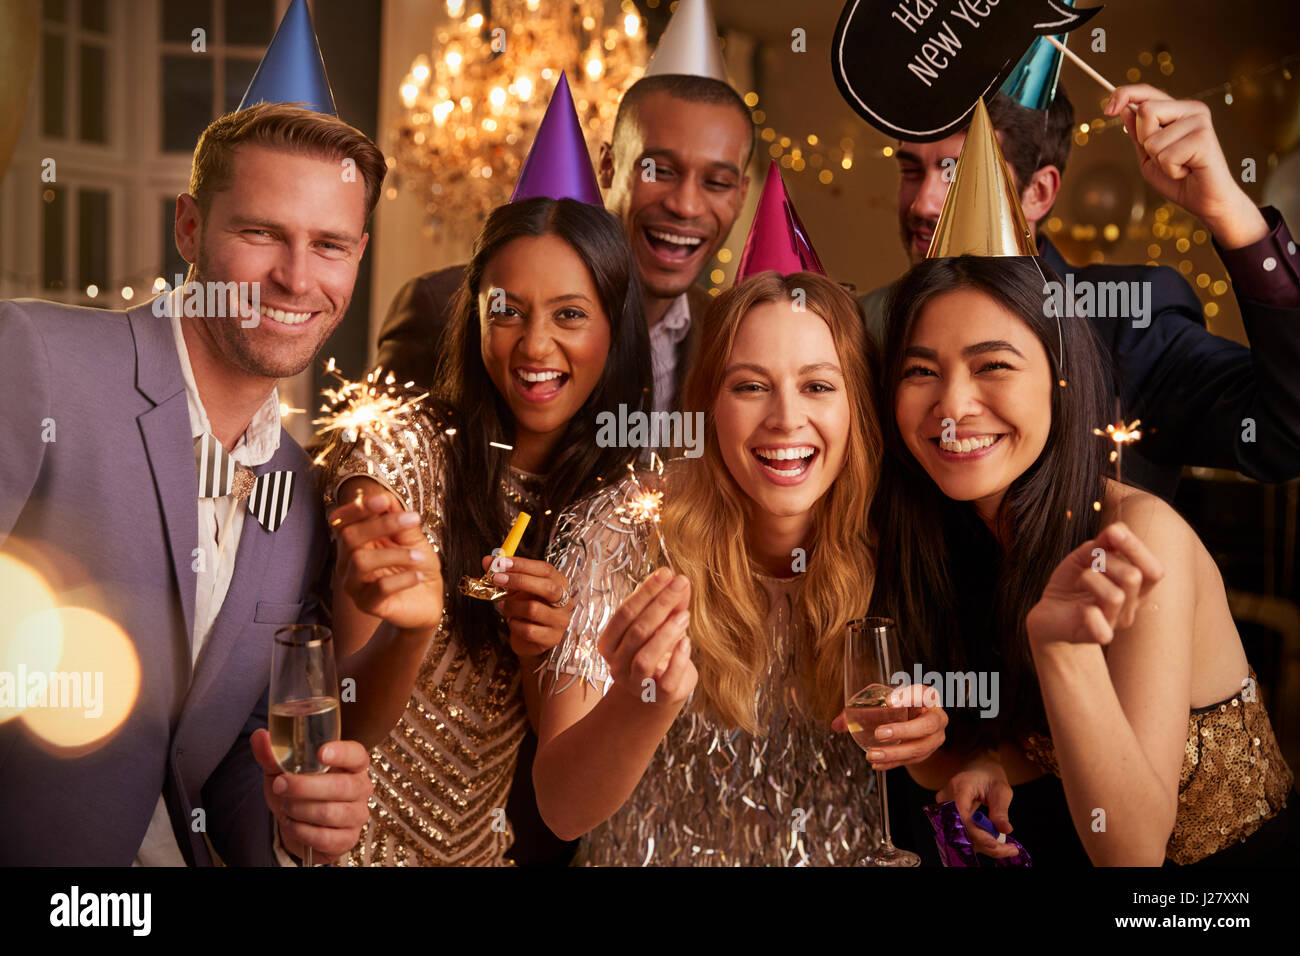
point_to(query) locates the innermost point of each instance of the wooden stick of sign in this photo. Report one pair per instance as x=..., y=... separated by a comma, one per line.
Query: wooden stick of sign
x=1110, y=87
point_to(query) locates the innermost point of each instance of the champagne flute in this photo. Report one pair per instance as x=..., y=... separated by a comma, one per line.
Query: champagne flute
x=870, y=659
x=304, y=698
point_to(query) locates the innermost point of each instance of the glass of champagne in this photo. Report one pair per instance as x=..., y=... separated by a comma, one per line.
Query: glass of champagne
x=870, y=659
x=304, y=698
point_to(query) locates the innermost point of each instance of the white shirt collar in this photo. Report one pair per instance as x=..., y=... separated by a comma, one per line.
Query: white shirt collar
x=262, y=437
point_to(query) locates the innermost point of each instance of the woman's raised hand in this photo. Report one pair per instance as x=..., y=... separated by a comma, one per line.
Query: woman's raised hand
x=645, y=642
x=1095, y=590
x=385, y=563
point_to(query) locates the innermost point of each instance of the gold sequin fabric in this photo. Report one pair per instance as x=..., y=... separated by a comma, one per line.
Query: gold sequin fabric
x=443, y=776
x=1233, y=776
x=798, y=794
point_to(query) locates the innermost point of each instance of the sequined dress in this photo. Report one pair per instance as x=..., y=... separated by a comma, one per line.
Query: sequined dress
x=1232, y=781
x=797, y=795
x=443, y=776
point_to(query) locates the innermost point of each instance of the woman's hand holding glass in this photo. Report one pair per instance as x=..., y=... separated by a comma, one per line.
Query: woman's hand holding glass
x=906, y=741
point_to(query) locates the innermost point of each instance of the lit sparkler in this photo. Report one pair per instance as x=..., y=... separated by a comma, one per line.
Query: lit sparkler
x=1121, y=434
x=370, y=405
x=644, y=507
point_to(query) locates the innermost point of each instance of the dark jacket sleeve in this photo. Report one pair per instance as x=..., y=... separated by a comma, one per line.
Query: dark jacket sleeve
x=412, y=330
x=1206, y=400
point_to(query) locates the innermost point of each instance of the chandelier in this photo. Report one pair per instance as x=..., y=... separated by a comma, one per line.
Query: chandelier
x=473, y=106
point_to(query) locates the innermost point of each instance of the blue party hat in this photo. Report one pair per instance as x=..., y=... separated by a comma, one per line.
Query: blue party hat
x=559, y=166
x=1032, y=83
x=292, y=70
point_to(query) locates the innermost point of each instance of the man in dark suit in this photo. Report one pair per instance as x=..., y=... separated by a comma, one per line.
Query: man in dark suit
x=1202, y=399
x=674, y=175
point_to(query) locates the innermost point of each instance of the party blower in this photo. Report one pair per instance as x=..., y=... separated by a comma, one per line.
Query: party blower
x=483, y=588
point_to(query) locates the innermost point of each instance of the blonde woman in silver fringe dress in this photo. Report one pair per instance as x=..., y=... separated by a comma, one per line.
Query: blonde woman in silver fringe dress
x=686, y=719
x=439, y=693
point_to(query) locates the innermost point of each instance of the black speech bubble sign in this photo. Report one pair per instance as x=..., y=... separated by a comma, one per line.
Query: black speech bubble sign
x=914, y=69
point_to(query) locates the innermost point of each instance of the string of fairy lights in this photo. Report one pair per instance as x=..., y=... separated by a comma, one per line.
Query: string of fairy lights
x=813, y=156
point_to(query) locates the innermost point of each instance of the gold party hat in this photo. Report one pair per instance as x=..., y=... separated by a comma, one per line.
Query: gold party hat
x=982, y=214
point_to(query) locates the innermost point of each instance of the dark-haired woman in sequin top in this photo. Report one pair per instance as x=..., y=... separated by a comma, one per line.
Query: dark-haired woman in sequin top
x=1010, y=552
x=549, y=332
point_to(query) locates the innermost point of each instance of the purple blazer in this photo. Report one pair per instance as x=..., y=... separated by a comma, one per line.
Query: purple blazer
x=112, y=503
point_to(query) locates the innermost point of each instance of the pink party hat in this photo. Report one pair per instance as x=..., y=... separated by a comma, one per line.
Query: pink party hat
x=558, y=166
x=777, y=239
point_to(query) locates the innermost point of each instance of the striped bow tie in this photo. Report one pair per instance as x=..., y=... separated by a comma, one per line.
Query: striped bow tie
x=269, y=495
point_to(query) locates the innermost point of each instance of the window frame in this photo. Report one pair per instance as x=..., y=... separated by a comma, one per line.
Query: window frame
x=131, y=165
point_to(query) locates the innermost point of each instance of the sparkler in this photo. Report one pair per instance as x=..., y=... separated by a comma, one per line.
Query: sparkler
x=1121, y=434
x=644, y=507
x=369, y=405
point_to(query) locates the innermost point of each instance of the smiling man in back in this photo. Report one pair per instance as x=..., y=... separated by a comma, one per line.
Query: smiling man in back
x=674, y=174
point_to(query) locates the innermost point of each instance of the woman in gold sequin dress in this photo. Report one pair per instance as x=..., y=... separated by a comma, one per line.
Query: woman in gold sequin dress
x=549, y=332
x=1122, y=674
x=717, y=749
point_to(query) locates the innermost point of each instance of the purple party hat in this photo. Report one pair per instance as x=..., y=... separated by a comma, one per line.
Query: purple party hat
x=292, y=70
x=777, y=238
x=558, y=166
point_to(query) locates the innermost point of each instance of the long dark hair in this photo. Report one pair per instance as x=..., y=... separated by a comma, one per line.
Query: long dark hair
x=476, y=472
x=958, y=598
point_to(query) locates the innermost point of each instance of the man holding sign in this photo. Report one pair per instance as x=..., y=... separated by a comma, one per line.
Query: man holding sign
x=1211, y=401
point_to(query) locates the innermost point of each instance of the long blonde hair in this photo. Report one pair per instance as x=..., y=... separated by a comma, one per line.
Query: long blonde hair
x=705, y=512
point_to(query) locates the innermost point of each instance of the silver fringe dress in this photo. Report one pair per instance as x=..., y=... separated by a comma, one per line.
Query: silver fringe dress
x=799, y=794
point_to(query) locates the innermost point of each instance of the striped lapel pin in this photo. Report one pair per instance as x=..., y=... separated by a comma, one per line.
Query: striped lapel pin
x=269, y=495
x=217, y=469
